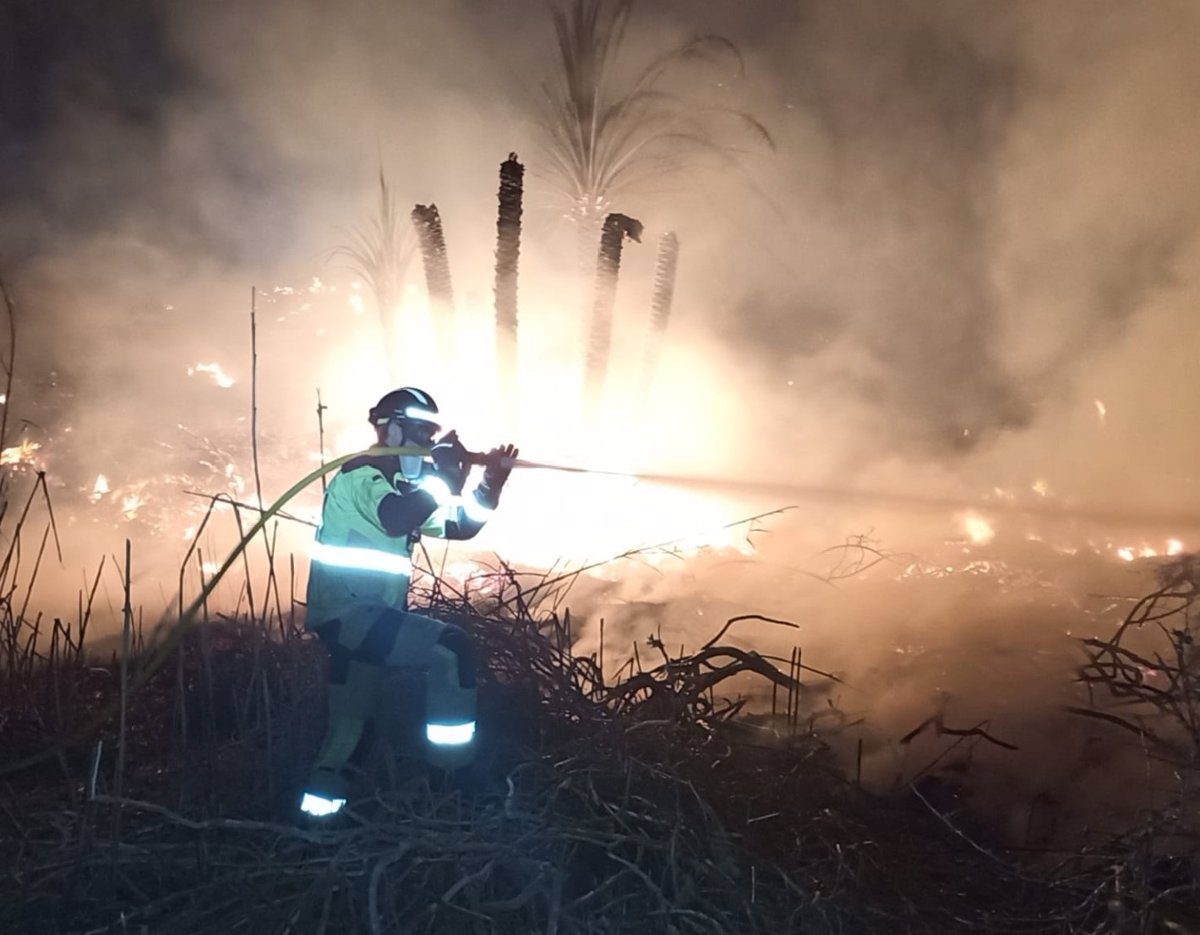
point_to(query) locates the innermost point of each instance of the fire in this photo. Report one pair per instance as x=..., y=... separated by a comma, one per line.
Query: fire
x=131, y=504
x=1101, y=410
x=214, y=370
x=100, y=488
x=1174, y=547
x=978, y=529
x=19, y=454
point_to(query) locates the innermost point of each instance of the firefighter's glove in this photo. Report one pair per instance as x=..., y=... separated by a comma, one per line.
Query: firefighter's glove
x=450, y=461
x=499, y=466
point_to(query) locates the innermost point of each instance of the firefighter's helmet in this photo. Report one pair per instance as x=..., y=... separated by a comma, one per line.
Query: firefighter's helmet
x=406, y=405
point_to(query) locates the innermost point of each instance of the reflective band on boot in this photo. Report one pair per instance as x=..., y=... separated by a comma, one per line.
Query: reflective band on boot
x=325, y=793
x=318, y=806
x=450, y=735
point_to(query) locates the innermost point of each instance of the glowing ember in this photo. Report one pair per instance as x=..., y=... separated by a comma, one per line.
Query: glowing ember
x=1174, y=547
x=130, y=506
x=100, y=488
x=978, y=528
x=219, y=376
x=19, y=454
x=1040, y=487
x=1101, y=409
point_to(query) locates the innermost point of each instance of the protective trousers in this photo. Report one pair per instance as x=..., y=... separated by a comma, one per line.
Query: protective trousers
x=397, y=639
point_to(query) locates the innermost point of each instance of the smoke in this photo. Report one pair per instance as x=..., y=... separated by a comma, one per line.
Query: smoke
x=969, y=263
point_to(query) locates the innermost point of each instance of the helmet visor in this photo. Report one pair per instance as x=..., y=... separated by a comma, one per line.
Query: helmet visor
x=419, y=431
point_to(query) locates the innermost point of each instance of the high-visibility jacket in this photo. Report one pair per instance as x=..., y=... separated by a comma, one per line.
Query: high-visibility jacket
x=371, y=519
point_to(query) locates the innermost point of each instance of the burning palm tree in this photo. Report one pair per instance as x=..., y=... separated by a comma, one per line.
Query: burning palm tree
x=608, y=269
x=428, y=223
x=380, y=253
x=600, y=139
x=660, y=304
x=508, y=251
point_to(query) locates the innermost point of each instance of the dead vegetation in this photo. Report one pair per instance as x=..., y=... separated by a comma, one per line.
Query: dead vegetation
x=612, y=798
x=150, y=785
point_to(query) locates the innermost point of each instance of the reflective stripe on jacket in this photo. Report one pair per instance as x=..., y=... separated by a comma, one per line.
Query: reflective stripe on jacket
x=358, y=569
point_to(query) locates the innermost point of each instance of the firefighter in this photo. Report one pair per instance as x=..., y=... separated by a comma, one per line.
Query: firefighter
x=376, y=509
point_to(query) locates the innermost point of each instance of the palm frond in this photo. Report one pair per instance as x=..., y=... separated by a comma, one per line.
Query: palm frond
x=379, y=253
x=594, y=136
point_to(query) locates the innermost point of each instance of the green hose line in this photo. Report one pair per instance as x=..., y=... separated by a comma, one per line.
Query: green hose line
x=162, y=651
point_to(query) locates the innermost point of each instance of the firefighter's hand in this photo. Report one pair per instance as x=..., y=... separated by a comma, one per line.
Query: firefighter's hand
x=450, y=461
x=499, y=466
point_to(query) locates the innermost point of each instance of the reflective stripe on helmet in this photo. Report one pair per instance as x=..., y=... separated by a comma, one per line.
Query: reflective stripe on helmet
x=350, y=556
x=450, y=735
x=423, y=415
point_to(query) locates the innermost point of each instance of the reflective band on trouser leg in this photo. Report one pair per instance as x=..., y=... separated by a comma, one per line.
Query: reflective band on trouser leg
x=449, y=713
x=362, y=559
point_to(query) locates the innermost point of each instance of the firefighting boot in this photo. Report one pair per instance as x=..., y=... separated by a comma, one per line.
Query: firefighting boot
x=350, y=706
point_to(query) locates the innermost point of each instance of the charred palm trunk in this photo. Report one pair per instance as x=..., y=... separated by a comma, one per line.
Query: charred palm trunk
x=660, y=304
x=508, y=253
x=428, y=223
x=608, y=268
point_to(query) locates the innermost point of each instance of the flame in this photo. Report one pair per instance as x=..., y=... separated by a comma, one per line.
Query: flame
x=978, y=529
x=1125, y=554
x=1101, y=410
x=1040, y=487
x=19, y=454
x=1174, y=547
x=219, y=376
x=131, y=504
x=100, y=488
